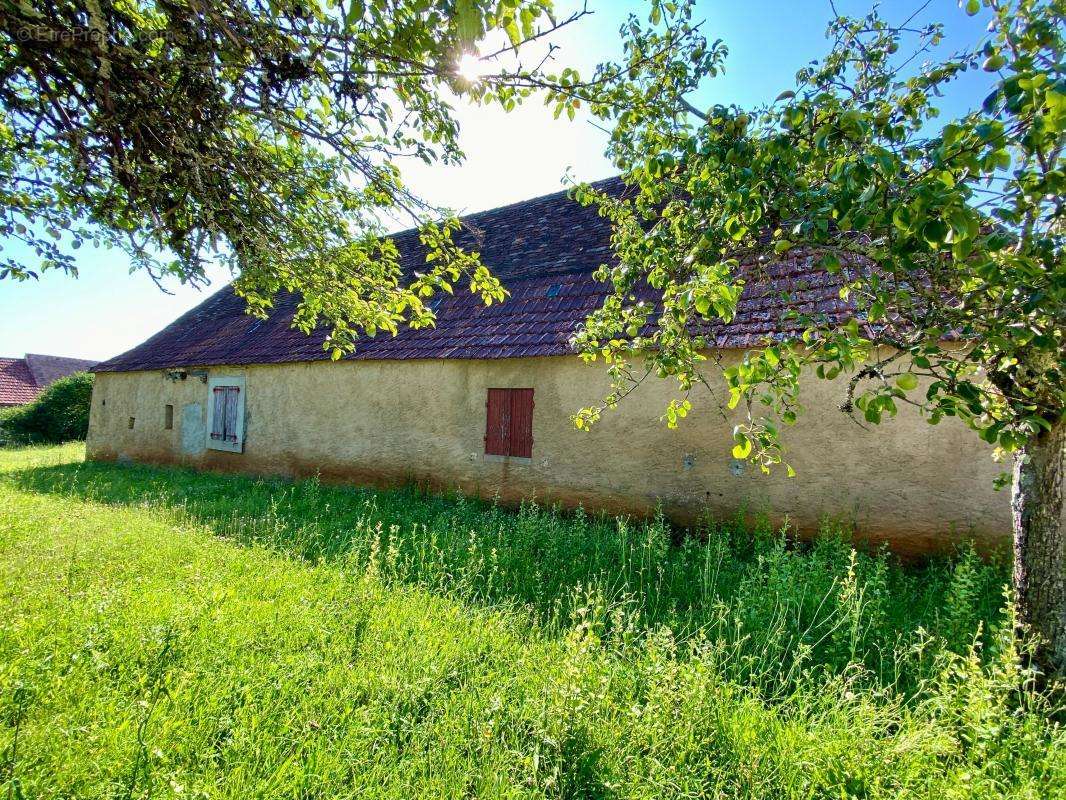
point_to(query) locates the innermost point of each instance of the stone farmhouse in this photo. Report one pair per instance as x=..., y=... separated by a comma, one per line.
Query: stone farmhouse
x=482, y=402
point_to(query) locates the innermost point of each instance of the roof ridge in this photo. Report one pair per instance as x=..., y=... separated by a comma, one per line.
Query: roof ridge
x=517, y=203
x=66, y=358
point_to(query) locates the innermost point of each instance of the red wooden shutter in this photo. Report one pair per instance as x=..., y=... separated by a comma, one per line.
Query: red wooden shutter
x=498, y=423
x=522, y=423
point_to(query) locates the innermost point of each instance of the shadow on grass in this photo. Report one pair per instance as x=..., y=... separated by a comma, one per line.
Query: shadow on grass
x=780, y=610
x=215, y=500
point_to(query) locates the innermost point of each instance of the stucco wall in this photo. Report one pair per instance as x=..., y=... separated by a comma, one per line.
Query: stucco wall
x=918, y=486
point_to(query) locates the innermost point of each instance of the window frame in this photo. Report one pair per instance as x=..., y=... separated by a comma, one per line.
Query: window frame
x=220, y=382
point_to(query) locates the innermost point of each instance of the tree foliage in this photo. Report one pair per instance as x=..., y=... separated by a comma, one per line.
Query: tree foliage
x=265, y=134
x=59, y=414
x=946, y=238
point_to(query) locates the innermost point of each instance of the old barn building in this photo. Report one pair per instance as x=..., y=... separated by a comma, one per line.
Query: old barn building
x=482, y=402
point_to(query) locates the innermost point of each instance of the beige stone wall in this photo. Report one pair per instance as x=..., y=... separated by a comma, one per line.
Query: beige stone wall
x=917, y=486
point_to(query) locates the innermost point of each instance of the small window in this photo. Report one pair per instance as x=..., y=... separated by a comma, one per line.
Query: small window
x=130, y=426
x=168, y=418
x=509, y=423
x=225, y=405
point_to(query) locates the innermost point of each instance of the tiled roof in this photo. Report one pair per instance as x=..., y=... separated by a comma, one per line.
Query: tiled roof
x=22, y=379
x=543, y=250
x=46, y=370
x=16, y=382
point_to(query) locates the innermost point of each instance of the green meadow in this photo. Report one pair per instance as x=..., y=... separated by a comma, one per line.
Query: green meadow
x=170, y=634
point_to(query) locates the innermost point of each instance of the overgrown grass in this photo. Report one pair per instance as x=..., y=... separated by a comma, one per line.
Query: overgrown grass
x=167, y=633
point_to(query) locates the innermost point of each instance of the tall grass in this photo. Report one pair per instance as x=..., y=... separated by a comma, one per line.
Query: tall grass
x=397, y=643
x=784, y=612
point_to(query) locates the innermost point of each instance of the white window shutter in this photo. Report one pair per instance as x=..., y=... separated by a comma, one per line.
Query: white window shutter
x=233, y=396
x=226, y=400
x=218, y=413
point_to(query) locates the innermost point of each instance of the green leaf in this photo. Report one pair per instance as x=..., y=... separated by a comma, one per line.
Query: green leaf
x=742, y=450
x=994, y=63
x=901, y=218
x=935, y=231
x=355, y=12
x=907, y=381
x=514, y=35
x=467, y=22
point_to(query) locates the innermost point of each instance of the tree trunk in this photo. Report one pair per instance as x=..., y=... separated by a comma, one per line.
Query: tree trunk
x=1040, y=544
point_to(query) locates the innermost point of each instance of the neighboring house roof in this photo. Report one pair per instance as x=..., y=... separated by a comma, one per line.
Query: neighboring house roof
x=16, y=382
x=543, y=250
x=46, y=370
x=22, y=379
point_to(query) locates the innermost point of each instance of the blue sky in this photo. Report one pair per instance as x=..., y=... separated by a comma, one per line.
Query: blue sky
x=510, y=157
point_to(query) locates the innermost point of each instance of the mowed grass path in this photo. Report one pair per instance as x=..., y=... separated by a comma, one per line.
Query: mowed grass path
x=167, y=634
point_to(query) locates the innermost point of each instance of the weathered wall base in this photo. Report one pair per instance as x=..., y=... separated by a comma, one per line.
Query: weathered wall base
x=919, y=488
